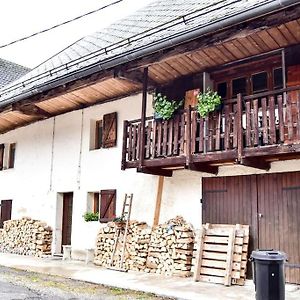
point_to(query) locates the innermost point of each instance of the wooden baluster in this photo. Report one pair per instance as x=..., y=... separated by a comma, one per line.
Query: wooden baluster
x=170, y=142
x=188, y=136
x=130, y=143
x=255, y=122
x=280, y=118
x=240, y=126
x=272, y=120
x=165, y=138
x=159, y=137
x=289, y=120
x=298, y=115
x=182, y=133
x=210, y=122
x=148, y=143
x=218, y=130
x=235, y=124
x=176, y=133
x=264, y=121
x=134, y=144
x=154, y=148
x=201, y=135
x=227, y=128
x=248, y=124
x=124, y=146
x=193, y=131
x=138, y=142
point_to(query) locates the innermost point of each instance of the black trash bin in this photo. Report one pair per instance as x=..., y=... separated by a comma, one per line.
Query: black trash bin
x=268, y=274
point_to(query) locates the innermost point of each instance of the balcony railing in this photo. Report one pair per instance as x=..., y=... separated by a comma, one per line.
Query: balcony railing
x=244, y=127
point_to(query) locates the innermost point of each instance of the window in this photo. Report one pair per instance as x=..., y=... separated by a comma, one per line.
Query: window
x=11, y=156
x=96, y=202
x=107, y=205
x=104, y=132
x=259, y=82
x=7, y=156
x=222, y=89
x=239, y=86
x=278, y=78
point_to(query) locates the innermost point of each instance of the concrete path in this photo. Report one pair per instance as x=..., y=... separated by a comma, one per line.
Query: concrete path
x=178, y=288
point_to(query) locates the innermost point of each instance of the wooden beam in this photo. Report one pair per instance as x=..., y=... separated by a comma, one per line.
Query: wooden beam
x=134, y=76
x=156, y=171
x=257, y=163
x=143, y=117
x=158, y=200
x=203, y=167
x=31, y=110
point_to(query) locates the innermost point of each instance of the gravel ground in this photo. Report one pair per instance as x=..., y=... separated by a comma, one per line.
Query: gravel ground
x=22, y=285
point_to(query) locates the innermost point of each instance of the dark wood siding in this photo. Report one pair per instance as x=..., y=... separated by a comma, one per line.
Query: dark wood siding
x=269, y=203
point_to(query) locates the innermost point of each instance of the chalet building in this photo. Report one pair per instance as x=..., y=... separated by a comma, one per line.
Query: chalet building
x=78, y=131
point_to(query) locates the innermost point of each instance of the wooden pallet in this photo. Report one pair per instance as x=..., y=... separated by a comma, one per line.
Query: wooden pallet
x=222, y=254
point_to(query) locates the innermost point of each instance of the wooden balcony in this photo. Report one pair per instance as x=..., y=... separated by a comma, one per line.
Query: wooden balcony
x=252, y=130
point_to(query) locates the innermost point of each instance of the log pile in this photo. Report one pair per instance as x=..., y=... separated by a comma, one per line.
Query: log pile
x=171, y=248
x=165, y=249
x=26, y=237
x=136, y=248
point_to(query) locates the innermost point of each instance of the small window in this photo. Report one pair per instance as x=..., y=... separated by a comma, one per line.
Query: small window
x=260, y=82
x=96, y=202
x=222, y=89
x=98, y=134
x=11, y=156
x=239, y=86
x=103, y=132
x=278, y=78
x=1, y=156
x=107, y=205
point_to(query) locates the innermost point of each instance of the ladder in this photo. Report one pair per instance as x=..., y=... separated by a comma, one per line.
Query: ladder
x=126, y=211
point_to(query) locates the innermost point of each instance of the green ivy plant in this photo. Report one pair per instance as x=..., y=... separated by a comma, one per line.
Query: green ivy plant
x=90, y=216
x=165, y=108
x=208, y=102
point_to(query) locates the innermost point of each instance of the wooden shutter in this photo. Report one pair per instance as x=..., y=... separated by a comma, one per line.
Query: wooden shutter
x=96, y=203
x=12, y=153
x=109, y=130
x=5, y=211
x=1, y=156
x=108, y=205
x=99, y=134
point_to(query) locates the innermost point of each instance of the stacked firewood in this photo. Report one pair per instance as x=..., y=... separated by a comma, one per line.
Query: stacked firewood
x=171, y=248
x=165, y=249
x=136, y=247
x=26, y=237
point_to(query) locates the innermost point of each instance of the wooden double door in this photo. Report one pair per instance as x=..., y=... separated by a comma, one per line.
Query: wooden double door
x=269, y=203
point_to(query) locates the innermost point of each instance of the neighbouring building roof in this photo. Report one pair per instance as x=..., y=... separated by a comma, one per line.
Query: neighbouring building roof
x=158, y=24
x=10, y=71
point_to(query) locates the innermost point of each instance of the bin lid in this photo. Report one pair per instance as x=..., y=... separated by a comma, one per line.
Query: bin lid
x=273, y=255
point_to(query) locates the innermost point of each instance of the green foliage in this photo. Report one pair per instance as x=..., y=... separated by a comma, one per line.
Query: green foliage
x=119, y=219
x=165, y=108
x=90, y=216
x=207, y=102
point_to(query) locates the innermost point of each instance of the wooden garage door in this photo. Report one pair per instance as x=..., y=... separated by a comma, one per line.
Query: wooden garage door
x=270, y=204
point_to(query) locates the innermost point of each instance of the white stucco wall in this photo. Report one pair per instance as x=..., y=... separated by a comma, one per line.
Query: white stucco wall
x=54, y=157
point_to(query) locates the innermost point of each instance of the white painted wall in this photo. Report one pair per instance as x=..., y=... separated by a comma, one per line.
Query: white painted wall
x=53, y=157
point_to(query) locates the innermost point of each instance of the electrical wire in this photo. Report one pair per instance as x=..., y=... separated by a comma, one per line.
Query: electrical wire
x=134, y=38
x=59, y=25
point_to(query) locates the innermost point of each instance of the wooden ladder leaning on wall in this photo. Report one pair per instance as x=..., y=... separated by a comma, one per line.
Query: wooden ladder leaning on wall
x=126, y=212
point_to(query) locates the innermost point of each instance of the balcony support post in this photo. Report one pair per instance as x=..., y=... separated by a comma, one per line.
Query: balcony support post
x=143, y=118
